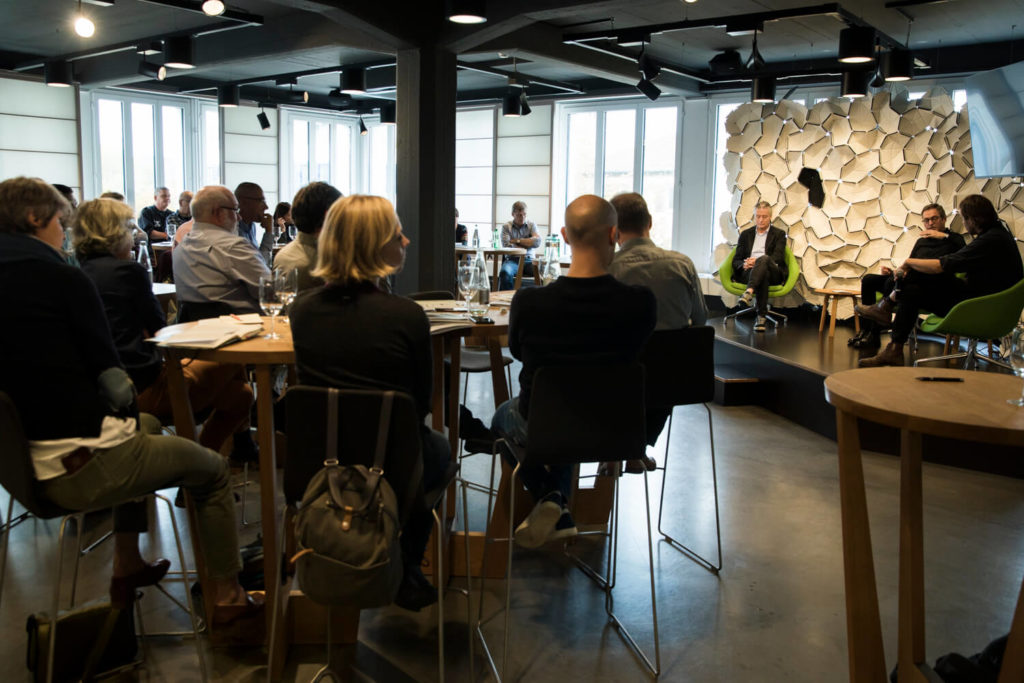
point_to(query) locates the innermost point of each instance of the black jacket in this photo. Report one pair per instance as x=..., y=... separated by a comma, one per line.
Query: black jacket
x=774, y=248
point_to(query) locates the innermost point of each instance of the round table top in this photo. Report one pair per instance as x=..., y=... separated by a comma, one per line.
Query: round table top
x=836, y=292
x=513, y=251
x=974, y=409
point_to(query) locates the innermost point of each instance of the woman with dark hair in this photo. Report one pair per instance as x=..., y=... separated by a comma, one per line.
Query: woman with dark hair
x=90, y=448
x=283, y=221
x=350, y=333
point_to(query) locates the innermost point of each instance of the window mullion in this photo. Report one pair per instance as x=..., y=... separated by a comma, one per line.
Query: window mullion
x=599, y=154
x=639, y=122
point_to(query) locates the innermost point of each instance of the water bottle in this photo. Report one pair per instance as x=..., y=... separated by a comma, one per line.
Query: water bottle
x=495, y=237
x=551, y=269
x=481, y=296
x=476, y=238
x=143, y=259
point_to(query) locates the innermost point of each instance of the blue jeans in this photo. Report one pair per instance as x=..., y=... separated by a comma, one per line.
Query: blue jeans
x=507, y=275
x=508, y=423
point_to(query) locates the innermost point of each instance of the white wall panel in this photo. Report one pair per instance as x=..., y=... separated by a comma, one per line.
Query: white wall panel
x=474, y=152
x=478, y=123
x=29, y=98
x=27, y=133
x=523, y=151
x=537, y=123
x=533, y=180
x=265, y=175
x=474, y=210
x=473, y=181
x=243, y=120
x=249, y=149
x=51, y=167
x=538, y=208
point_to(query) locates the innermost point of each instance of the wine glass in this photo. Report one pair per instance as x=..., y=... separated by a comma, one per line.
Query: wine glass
x=293, y=232
x=1016, y=359
x=550, y=271
x=270, y=300
x=287, y=285
x=170, y=229
x=277, y=233
x=467, y=280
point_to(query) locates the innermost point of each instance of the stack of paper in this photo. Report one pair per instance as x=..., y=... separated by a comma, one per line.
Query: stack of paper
x=210, y=333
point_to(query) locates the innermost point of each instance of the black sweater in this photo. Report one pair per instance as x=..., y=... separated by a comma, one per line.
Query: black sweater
x=991, y=261
x=578, y=321
x=362, y=338
x=132, y=311
x=55, y=341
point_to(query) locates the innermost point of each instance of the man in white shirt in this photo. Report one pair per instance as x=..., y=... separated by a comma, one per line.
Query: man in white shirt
x=215, y=264
x=760, y=261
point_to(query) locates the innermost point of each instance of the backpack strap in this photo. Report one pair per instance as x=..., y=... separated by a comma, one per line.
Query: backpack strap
x=331, y=452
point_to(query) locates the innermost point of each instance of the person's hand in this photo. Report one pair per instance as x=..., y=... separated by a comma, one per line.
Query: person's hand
x=266, y=221
x=936, y=234
x=748, y=263
x=886, y=270
x=900, y=272
x=280, y=222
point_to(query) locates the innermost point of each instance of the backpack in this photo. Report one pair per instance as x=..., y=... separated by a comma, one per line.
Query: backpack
x=347, y=527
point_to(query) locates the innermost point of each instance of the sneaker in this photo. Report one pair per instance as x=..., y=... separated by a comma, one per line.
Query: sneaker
x=540, y=523
x=760, y=324
x=564, y=527
x=746, y=299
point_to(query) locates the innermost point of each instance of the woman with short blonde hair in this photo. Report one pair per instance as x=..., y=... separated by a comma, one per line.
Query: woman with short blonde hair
x=351, y=246
x=351, y=333
x=102, y=226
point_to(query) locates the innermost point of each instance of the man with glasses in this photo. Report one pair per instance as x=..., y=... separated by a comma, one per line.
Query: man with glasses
x=214, y=264
x=254, y=223
x=935, y=241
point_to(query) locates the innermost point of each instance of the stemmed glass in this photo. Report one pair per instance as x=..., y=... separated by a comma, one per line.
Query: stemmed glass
x=467, y=277
x=293, y=232
x=270, y=300
x=277, y=233
x=1017, y=360
x=170, y=229
x=287, y=285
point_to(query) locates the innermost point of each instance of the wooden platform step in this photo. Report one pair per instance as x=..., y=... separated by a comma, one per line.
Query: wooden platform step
x=734, y=387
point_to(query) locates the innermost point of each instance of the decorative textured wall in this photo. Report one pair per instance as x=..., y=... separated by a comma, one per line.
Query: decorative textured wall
x=881, y=160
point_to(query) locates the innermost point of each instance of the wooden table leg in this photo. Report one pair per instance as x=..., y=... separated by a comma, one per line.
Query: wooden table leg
x=519, y=273
x=276, y=597
x=452, y=348
x=1013, y=660
x=499, y=385
x=824, y=312
x=911, y=564
x=437, y=399
x=832, y=322
x=863, y=625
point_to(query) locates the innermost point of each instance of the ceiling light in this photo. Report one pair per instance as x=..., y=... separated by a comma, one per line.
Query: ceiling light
x=690, y=2
x=648, y=66
x=153, y=47
x=362, y=127
x=877, y=81
x=178, y=52
x=83, y=24
x=511, y=107
x=898, y=65
x=524, y=104
x=213, y=8
x=763, y=89
x=263, y=119
x=649, y=89
x=388, y=113
x=336, y=99
x=353, y=81
x=857, y=44
x=58, y=73
x=227, y=95
x=150, y=70
x=726, y=62
x=467, y=11
x=855, y=84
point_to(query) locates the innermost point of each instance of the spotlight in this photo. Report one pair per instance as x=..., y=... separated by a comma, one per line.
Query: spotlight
x=763, y=89
x=388, y=113
x=213, y=8
x=362, y=127
x=467, y=11
x=84, y=26
x=524, y=104
x=227, y=95
x=353, y=81
x=336, y=99
x=150, y=70
x=857, y=44
x=855, y=84
x=178, y=52
x=898, y=65
x=511, y=106
x=877, y=81
x=649, y=89
x=648, y=66
x=58, y=73
x=263, y=119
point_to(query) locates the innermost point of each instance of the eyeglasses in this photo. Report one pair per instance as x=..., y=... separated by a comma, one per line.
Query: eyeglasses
x=932, y=219
x=234, y=209
x=254, y=199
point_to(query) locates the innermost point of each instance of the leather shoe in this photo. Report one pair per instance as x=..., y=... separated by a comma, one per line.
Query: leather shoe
x=868, y=340
x=415, y=592
x=226, y=614
x=122, y=588
x=892, y=354
x=641, y=465
x=880, y=313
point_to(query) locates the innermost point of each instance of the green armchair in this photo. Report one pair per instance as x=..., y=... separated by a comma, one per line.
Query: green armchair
x=775, y=291
x=985, y=317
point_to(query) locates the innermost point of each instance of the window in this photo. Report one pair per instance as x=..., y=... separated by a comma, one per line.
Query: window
x=145, y=143
x=626, y=146
x=722, y=203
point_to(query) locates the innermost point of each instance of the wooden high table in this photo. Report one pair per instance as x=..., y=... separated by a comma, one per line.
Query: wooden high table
x=974, y=409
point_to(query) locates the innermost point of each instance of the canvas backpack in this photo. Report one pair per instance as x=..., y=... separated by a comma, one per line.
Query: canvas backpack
x=347, y=526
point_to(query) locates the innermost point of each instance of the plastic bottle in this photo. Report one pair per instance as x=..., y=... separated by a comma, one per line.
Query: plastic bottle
x=476, y=238
x=143, y=259
x=495, y=237
x=481, y=296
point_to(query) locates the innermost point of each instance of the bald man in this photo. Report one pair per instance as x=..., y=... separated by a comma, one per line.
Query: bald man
x=213, y=263
x=585, y=317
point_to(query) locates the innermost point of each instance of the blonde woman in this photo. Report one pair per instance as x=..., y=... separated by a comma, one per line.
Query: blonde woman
x=102, y=237
x=350, y=333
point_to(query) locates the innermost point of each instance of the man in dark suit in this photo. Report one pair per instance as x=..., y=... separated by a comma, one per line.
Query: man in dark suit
x=760, y=261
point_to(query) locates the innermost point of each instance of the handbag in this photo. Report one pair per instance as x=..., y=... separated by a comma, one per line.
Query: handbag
x=347, y=527
x=93, y=638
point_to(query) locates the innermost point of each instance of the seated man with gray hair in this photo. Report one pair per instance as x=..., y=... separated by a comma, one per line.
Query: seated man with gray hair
x=213, y=264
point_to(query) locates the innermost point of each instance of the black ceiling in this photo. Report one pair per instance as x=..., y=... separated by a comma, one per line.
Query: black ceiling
x=560, y=47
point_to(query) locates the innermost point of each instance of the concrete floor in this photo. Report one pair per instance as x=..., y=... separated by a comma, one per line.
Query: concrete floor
x=775, y=613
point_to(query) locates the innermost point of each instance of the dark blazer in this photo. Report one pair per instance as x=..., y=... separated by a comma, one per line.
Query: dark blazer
x=774, y=248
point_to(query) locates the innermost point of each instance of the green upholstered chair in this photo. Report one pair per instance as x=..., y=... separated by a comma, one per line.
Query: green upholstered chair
x=775, y=291
x=986, y=317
